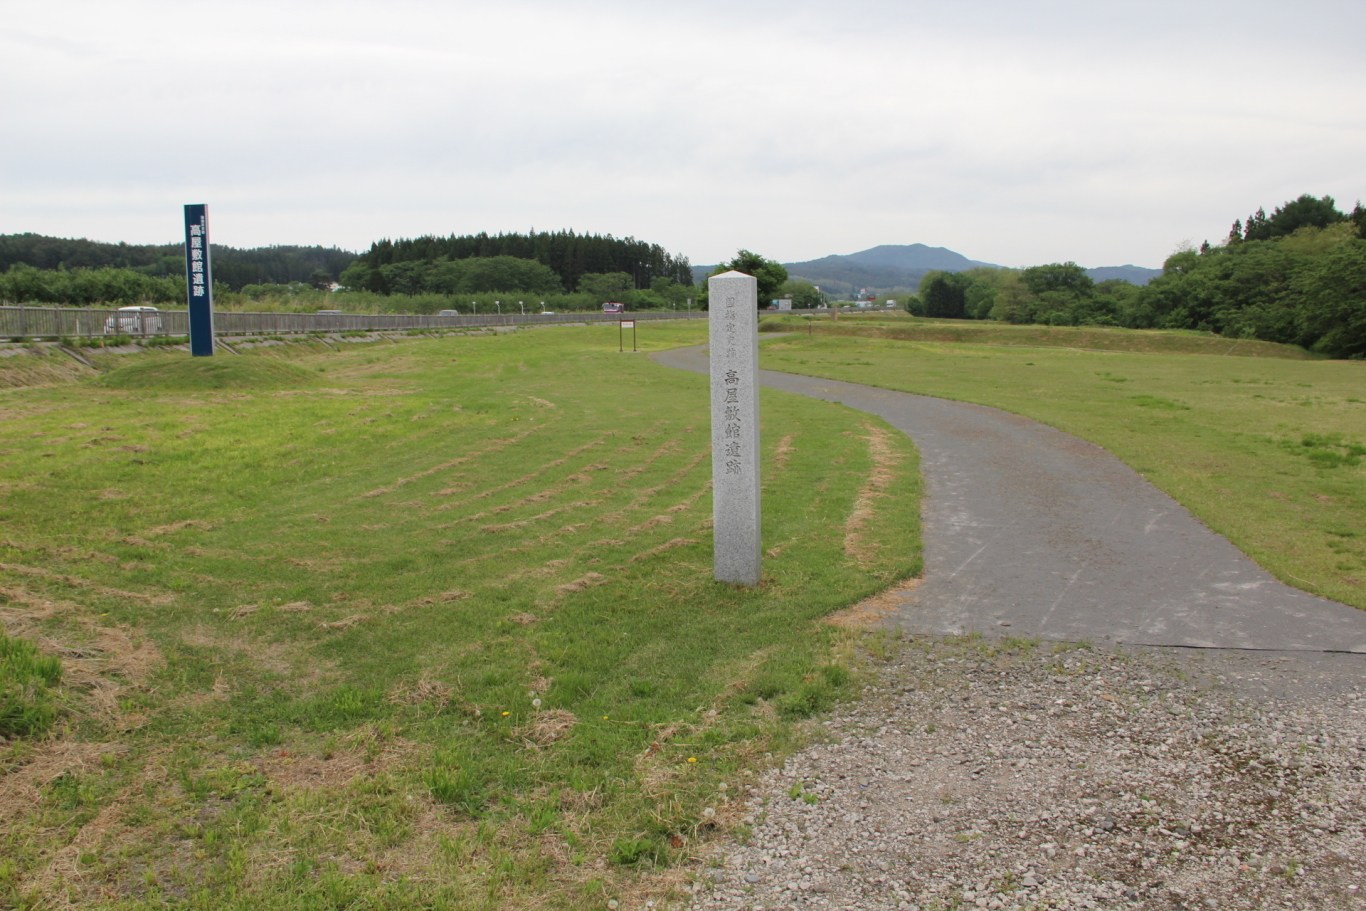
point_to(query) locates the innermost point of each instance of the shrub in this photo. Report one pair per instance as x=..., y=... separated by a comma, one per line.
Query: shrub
x=631, y=851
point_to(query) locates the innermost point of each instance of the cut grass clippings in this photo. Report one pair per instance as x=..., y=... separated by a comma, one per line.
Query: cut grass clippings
x=1265, y=451
x=440, y=633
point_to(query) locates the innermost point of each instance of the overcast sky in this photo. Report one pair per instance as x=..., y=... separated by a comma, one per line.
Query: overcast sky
x=1013, y=131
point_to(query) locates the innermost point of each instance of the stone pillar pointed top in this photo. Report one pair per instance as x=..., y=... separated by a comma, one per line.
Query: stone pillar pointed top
x=734, y=334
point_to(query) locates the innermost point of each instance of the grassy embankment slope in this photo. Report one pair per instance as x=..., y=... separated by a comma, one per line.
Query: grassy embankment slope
x=417, y=625
x=898, y=325
x=1266, y=449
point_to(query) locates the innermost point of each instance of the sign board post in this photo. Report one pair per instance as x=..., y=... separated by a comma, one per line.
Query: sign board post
x=734, y=335
x=199, y=280
x=622, y=326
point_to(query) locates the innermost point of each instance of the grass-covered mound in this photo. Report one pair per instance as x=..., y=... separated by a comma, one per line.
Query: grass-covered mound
x=196, y=374
x=898, y=326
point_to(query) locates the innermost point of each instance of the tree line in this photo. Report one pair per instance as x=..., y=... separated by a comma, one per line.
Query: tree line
x=468, y=286
x=232, y=266
x=85, y=287
x=567, y=255
x=1297, y=276
x=564, y=269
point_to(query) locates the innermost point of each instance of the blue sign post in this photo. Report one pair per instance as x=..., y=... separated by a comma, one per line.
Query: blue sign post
x=199, y=280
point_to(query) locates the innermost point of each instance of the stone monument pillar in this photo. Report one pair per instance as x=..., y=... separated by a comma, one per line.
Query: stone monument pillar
x=734, y=335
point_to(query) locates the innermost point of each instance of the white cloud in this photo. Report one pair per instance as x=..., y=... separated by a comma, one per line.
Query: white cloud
x=1012, y=132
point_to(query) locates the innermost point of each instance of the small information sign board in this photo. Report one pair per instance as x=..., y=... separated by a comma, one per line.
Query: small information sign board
x=622, y=326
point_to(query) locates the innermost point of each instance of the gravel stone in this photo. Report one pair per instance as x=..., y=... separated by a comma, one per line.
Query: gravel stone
x=1005, y=776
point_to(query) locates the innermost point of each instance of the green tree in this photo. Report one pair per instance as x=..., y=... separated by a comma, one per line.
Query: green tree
x=84, y=287
x=568, y=254
x=670, y=292
x=606, y=286
x=1014, y=302
x=1296, y=214
x=945, y=295
x=980, y=295
x=769, y=273
x=509, y=273
x=1332, y=316
x=1106, y=306
x=1066, y=277
x=803, y=294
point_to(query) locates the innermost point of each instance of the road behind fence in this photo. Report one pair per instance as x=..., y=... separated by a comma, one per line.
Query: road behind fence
x=84, y=322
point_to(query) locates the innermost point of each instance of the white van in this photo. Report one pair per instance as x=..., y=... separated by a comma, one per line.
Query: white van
x=134, y=321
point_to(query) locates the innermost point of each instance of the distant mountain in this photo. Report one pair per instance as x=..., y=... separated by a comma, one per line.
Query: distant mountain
x=906, y=258
x=1136, y=275
x=901, y=266
x=884, y=267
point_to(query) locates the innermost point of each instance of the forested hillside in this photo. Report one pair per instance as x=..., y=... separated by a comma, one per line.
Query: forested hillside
x=232, y=267
x=562, y=269
x=426, y=264
x=1297, y=276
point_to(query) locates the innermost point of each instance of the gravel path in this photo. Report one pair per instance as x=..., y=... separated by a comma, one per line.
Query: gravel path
x=991, y=775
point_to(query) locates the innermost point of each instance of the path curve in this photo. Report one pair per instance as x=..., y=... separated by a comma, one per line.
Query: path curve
x=1031, y=531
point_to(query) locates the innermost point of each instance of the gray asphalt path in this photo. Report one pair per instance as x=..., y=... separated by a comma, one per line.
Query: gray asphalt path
x=1033, y=532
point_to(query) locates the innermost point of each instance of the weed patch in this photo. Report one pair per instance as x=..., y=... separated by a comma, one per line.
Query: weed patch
x=1328, y=450
x=28, y=682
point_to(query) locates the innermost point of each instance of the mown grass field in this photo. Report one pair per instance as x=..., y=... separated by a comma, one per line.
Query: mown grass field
x=1268, y=450
x=426, y=624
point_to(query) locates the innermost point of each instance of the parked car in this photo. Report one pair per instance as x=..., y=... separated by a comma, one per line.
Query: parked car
x=328, y=312
x=449, y=313
x=613, y=307
x=134, y=321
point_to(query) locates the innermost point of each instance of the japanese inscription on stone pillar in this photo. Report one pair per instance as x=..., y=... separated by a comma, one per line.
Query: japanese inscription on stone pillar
x=734, y=335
